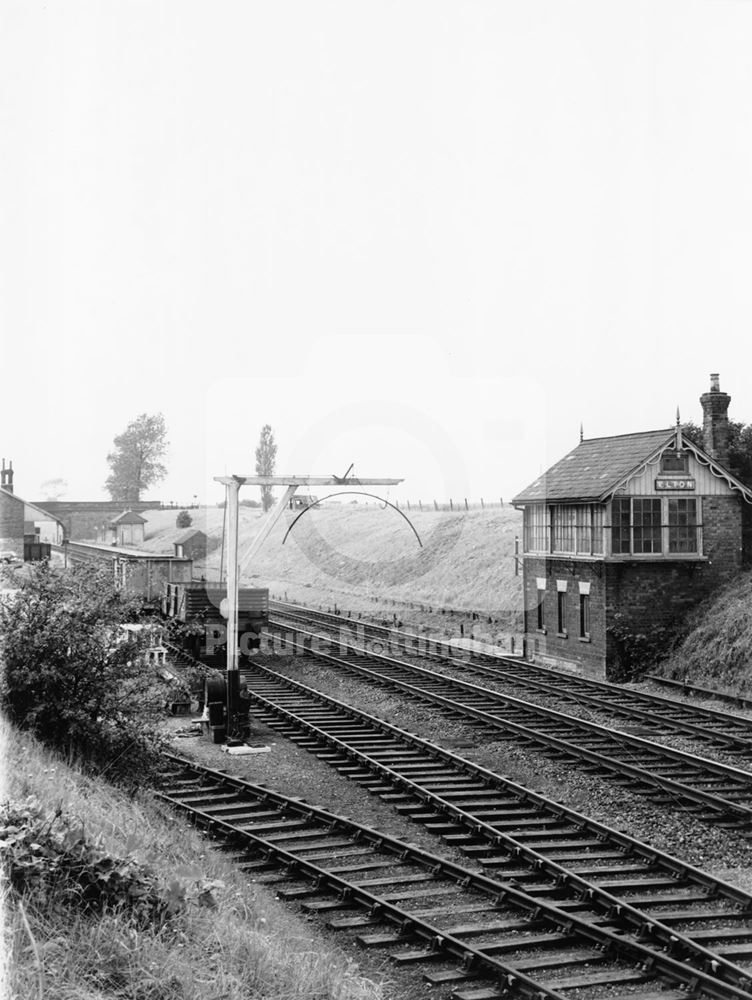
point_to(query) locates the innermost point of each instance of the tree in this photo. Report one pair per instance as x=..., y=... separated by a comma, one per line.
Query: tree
x=183, y=520
x=76, y=679
x=53, y=489
x=740, y=447
x=265, y=456
x=135, y=463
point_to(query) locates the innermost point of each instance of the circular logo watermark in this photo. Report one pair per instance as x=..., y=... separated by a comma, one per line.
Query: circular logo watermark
x=431, y=441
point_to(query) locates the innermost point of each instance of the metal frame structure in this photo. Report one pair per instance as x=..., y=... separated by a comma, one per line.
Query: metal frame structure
x=232, y=486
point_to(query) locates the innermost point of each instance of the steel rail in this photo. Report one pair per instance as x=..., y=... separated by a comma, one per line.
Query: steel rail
x=578, y=689
x=679, y=790
x=610, y=905
x=651, y=855
x=702, y=692
x=627, y=951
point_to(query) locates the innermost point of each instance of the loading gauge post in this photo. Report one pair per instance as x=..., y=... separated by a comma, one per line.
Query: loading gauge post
x=232, y=486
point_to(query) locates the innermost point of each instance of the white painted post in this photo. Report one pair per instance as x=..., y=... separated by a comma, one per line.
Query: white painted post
x=233, y=489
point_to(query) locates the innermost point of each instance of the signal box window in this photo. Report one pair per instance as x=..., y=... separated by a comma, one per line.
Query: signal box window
x=647, y=525
x=541, y=617
x=584, y=616
x=682, y=525
x=561, y=607
x=620, y=526
x=674, y=461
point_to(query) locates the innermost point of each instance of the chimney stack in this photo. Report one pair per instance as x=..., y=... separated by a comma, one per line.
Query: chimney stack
x=715, y=425
x=6, y=477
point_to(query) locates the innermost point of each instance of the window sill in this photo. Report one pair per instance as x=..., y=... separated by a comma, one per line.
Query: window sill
x=584, y=638
x=568, y=556
x=562, y=635
x=542, y=631
x=657, y=557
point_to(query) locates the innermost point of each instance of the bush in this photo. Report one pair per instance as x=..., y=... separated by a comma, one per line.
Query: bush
x=183, y=520
x=51, y=861
x=637, y=652
x=77, y=680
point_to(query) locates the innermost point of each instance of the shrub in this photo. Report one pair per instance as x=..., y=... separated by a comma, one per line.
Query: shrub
x=183, y=520
x=638, y=651
x=74, y=678
x=51, y=861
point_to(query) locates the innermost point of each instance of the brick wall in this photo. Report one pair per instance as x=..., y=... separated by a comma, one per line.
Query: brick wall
x=567, y=651
x=746, y=536
x=82, y=518
x=648, y=595
x=11, y=524
x=653, y=595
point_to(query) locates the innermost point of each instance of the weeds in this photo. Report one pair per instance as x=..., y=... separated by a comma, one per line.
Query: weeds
x=111, y=896
x=717, y=650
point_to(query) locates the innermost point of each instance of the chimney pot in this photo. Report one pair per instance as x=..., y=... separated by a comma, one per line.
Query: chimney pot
x=715, y=385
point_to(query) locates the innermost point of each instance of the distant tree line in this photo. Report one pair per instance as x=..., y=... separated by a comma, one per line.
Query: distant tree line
x=740, y=447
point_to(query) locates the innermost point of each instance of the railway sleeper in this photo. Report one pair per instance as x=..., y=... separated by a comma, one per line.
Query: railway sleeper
x=610, y=978
x=567, y=857
x=689, y=916
x=742, y=934
x=326, y=844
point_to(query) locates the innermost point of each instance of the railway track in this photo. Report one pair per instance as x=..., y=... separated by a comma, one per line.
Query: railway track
x=547, y=849
x=484, y=936
x=717, y=793
x=664, y=716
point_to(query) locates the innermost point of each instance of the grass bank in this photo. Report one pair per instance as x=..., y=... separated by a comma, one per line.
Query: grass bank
x=717, y=650
x=222, y=939
x=466, y=560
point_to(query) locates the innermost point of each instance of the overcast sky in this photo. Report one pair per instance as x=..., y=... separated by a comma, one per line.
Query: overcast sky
x=429, y=238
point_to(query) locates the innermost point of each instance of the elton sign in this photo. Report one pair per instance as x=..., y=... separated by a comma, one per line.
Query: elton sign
x=674, y=484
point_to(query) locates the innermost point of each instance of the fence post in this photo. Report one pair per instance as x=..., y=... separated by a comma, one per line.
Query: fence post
x=482, y=505
x=420, y=504
x=451, y=505
x=408, y=505
x=435, y=505
x=466, y=506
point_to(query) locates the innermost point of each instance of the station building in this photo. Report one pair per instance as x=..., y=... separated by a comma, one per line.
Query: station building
x=23, y=524
x=124, y=530
x=625, y=535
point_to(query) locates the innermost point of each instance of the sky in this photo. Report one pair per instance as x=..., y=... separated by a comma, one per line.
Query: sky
x=430, y=238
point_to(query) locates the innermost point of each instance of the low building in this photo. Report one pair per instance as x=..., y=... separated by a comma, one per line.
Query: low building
x=624, y=536
x=11, y=515
x=124, y=530
x=23, y=523
x=191, y=543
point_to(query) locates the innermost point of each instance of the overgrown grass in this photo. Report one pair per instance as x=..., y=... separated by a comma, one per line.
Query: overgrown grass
x=717, y=650
x=466, y=562
x=232, y=943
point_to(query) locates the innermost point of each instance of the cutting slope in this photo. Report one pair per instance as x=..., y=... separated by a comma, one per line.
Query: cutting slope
x=466, y=560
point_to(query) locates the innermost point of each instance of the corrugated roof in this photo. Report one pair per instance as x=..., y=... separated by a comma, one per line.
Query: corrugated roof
x=595, y=466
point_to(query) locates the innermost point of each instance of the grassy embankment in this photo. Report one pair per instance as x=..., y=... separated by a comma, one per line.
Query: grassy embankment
x=225, y=940
x=717, y=651
x=367, y=557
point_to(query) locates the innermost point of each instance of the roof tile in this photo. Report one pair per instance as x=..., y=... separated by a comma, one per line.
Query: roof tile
x=586, y=473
